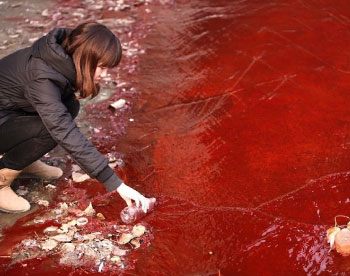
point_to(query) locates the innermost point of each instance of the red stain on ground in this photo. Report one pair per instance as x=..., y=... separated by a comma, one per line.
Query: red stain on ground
x=241, y=130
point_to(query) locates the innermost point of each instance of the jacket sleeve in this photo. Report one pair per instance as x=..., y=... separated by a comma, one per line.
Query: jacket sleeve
x=45, y=97
x=72, y=105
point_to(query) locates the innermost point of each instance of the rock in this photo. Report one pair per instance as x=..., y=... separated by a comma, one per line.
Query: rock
x=79, y=177
x=138, y=230
x=49, y=244
x=125, y=238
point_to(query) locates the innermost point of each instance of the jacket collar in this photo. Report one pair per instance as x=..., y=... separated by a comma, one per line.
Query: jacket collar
x=49, y=49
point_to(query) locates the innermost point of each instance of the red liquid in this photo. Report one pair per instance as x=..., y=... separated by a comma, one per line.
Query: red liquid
x=241, y=129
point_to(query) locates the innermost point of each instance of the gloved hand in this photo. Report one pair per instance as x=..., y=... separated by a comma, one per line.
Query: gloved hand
x=128, y=194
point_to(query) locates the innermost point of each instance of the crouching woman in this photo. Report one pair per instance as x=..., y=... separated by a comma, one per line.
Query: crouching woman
x=38, y=106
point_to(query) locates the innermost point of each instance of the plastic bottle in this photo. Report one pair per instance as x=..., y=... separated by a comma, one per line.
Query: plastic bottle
x=131, y=214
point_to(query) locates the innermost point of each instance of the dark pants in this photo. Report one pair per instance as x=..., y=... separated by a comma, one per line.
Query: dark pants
x=23, y=140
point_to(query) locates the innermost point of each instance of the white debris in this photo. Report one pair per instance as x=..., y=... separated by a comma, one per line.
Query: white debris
x=63, y=205
x=51, y=229
x=68, y=247
x=62, y=238
x=45, y=13
x=138, y=230
x=125, y=238
x=82, y=221
x=79, y=177
x=113, y=164
x=49, y=244
x=33, y=39
x=89, y=211
x=42, y=202
x=118, y=104
x=50, y=187
x=75, y=168
x=22, y=191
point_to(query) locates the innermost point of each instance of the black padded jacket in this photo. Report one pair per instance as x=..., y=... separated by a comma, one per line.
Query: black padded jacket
x=40, y=80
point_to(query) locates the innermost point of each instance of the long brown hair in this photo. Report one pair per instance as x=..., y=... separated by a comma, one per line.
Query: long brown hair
x=91, y=44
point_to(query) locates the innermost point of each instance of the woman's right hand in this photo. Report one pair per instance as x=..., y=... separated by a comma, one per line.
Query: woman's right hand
x=129, y=194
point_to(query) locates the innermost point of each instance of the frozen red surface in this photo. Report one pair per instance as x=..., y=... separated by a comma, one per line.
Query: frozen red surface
x=241, y=131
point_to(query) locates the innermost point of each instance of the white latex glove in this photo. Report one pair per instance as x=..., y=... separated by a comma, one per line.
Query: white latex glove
x=127, y=193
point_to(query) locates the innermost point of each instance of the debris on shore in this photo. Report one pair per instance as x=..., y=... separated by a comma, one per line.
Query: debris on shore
x=80, y=238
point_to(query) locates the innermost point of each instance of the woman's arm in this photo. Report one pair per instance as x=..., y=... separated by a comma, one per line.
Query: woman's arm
x=45, y=97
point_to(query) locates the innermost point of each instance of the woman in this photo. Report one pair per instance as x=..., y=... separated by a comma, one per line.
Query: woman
x=38, y=105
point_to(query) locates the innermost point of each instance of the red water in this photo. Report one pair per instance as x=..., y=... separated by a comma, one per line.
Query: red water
x=242, y=131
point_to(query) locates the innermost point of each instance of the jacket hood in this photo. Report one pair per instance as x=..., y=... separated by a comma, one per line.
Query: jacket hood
x=48, y=48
